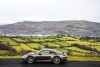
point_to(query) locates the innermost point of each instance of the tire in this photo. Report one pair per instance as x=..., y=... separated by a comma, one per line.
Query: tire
x=56, y=60
x=30, y=60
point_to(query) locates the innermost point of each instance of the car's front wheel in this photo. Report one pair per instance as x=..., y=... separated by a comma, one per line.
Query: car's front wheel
x=30, y=60
x=56, y=60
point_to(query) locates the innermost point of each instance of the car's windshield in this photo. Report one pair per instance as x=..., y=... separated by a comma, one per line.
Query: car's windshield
x=39, y=51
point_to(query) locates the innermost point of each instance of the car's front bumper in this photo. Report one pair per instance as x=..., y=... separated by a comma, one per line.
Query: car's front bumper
x=63, y=58
x=23, y=59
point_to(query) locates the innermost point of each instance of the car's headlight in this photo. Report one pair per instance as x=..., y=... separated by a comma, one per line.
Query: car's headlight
x=24, y=56
x=65, y=54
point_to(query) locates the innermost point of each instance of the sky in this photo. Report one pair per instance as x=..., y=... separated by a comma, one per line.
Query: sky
x=12, y=11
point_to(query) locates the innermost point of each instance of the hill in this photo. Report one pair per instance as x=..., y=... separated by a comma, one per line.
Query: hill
x=75, y=27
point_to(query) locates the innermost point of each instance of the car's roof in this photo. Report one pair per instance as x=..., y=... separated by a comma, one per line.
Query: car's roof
x=49, y=49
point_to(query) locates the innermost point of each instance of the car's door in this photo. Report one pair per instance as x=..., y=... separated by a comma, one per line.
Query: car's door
x=43, y=56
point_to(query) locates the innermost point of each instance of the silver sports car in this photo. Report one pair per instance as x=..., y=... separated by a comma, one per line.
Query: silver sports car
x=48, y=55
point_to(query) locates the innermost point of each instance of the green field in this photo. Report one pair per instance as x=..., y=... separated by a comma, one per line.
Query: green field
x=62, y=43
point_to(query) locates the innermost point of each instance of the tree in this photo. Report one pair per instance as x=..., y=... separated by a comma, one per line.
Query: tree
x=39, y=47
x=46, y=45
x=69, y=52
x=8, y=43
x=61, y=46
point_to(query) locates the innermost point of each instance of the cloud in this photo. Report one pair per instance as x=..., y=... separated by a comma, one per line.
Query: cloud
x=12, y=11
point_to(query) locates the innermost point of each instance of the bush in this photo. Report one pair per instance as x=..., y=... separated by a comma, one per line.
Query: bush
x=6, y=47
x=84, y=47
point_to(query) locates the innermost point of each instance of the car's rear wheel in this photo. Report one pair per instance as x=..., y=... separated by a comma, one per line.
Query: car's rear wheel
x=56, y=60
x=30, y=60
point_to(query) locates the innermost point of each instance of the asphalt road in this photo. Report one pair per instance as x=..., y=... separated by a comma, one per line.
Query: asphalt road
x=18, y=63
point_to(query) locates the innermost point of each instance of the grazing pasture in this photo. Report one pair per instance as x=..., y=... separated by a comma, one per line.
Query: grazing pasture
x=71, y=45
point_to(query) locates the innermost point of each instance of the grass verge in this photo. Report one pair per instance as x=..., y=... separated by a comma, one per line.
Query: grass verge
x=9, y=57
x=75, y=58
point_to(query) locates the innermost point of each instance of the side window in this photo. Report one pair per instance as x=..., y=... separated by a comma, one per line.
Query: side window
x=51, y=52
x=45, y=52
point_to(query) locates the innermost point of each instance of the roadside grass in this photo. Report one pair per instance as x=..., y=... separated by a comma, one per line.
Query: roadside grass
x=76, y=58
x=77, y=53
x=9, y=57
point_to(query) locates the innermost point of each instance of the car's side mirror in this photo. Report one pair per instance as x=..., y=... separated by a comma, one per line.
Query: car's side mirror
x=40, y=54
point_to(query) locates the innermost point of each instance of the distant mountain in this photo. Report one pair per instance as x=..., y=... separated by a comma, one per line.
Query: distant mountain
x=75, y=27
